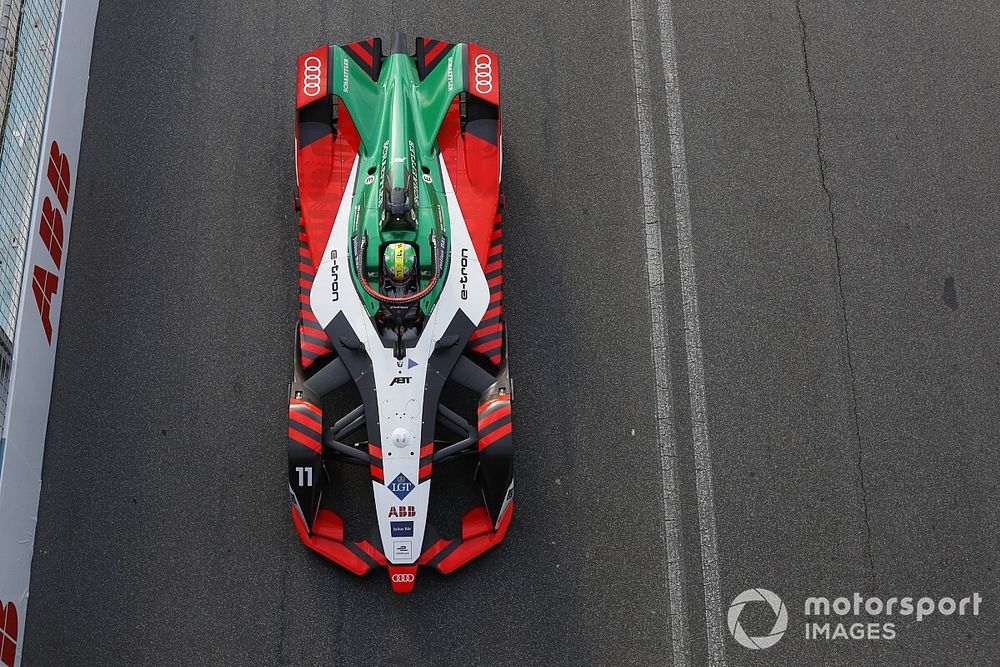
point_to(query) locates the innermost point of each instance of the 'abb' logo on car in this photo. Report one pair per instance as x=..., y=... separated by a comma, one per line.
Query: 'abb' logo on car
x=8, y=633
x=403, y=510
x=45, y=283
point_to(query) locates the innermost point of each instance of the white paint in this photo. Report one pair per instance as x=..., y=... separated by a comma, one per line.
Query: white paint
x=400, y=406
x=508, y=498
x=666, y=438
x=34, y=356
x=692, y=340
x=450, y=301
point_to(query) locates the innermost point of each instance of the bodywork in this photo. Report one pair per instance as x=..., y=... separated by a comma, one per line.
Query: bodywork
x=399, y=148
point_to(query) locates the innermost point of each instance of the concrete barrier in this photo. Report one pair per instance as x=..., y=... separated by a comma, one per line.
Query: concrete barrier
x=34, y=344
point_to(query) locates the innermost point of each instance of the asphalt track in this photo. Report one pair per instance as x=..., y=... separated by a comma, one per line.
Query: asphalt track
x=842, y=168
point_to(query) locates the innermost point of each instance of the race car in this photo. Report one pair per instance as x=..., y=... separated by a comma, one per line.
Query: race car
x=401, y=345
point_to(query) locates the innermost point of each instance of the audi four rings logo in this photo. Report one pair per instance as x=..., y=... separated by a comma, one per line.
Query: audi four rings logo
x=484, y=73
x=402, y=578
x=311, y=76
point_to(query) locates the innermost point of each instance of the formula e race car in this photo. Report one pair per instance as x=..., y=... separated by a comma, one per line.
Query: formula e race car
x=401, y=302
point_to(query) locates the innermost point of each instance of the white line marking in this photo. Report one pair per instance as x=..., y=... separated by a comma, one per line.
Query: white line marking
x=666, y=439
x=692, y=341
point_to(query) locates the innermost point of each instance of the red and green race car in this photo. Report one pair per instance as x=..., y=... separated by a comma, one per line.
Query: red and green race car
x=398, y=167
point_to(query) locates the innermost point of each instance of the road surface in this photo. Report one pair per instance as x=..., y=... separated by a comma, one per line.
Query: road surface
x=837, y=234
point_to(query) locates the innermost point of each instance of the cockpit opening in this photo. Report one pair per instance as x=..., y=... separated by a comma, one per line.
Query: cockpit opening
x=399, y=279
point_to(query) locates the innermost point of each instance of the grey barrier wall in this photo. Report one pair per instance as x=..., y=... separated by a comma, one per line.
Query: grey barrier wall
x=41, y=136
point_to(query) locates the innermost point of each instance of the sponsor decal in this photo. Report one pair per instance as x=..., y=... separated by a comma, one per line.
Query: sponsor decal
x=401, y=528
x=335, y=283
x=451, y=74
x=346, y=74
x=45, y=283
x=401, y=578
x=402, y=379
x=357, y=218
x=464, y=280
x=8, y=633
x=381, y=167
x=401, y=486
x=402, y=511
x=483, y=73
x=311, y=76
x=413, y=172
x=402, y=549
x=410, y=363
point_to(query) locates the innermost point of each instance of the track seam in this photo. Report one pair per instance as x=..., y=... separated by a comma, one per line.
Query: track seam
x=692, y=341
x=843, y=300
x=659, y=348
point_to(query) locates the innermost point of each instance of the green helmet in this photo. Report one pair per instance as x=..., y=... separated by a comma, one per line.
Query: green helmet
x=398, y=262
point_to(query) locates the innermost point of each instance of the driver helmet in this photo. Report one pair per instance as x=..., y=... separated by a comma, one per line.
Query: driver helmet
x=399, y=262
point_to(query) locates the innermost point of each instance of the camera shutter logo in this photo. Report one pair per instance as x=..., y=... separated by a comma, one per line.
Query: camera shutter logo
x=780, y=618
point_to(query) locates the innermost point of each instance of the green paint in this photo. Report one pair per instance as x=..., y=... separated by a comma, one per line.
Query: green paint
x=398, y=118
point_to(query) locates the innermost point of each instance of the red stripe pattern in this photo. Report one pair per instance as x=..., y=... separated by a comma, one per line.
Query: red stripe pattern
x=375, y=453
x=358, y=557
x=435, y=51
x=426, y=457
x=368, y=56
x=446, y=556
x=305, y=424
x=487, y=339
x=361, y=52
x=430, y=53
x=494, y=422
x=313, y=341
